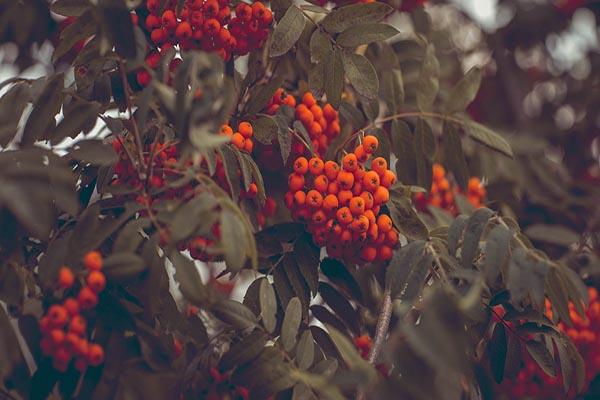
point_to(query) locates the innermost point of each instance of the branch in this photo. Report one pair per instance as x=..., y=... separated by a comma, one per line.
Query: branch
x=383, y=324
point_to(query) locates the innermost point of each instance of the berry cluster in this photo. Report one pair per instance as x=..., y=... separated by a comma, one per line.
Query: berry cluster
x=443, y=191
x=321, y=123
x=220, y=387
x=533, y=382
x=204, y=25
x=341, y=204
x=64, y=328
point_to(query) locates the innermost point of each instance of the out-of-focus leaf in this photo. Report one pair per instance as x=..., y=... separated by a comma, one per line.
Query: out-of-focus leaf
x=474, y=229
x=454, y=159
x=526, y=276
x=260, y=99
x=488, y=138
x=79, y=118
x=12, y=105
x=234, y=313
x=405, y=218
x=190, y=283
x=554, y=234
x=496, y=253
x=82, y=28
x=464, y=92
x=93, y=151
x=243, y=352
x=343, y=18
x=407, y=271
x=404, y=149
x=45, y=108
x=392, y=89
x=428, y=84
x=70, y=8
x=287, y=32
x=542, y=357
x=123, y=266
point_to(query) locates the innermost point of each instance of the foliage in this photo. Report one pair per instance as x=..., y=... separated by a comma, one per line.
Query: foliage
x=297, y=148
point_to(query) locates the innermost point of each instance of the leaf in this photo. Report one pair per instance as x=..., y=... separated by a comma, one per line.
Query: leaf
x=117, y=27
x=320, y=46
x=488, y=138
x=455, y=233
x=268, y=305
x=291, y=323
x=498, y=349
x=301, y=130
x=464, y=92
x=350, y=355
x=12, y=359
x=12, y=105
x=284, y=137
x=93, y=151
x=454, y=159
x=307, y=257
x=352, y=114
x=82, y=116
x=243, y=352
x=473, y=231
x=190, y=283
x=305, y=353
x=404, y=149
x=82, y=28
x=345, y=17
x=526, y=276
x=497, y=249
x=424, y=144
x=539, y=352
x=265, y=129
x=512, y=365
x=361, y=74
x=365, y=33
x=45, y=108
x=407, y=271
x=428, y=84
x=405, y=218
x=325, y=316
x=392, y=89
x=123, y=266
x=234, y=313
x=341, y=307
x=333, y=83
x=234, y=240
x=287, y=32
x=70, y=8
x=294, y=275
x=554, y=234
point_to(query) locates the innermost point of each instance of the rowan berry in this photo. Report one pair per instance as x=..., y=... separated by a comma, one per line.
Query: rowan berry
x=349, y=162
x=321, y=183
x=344, y=196
x=93, y=261
x=368, y=253
x=314, y=199
x=361, y=155
x=211, y=8
x=370, y=144
x=299, y=198
x=345, y=179
x=331, y=170
x=77, y=325
x=169, y=20
x=379, y=165
x=95, y=355
x=183, y=30
x=330, y=202
x=248, y=146
x=319, y=217
x=384, y=223
x=87, y=298
x=72, y=306
x=301, y=165
x=380, y=196
x=344, y=216
x=211, y=27
x=238, y=140
x=360, y=224
x=57, y=316
x=371, y=181
x=243, y=11
x=245, y=129
x=316, y=167
x=65, y=278
x=384, y=253
x=295, y=182
x=357, y=205
x=388, y=179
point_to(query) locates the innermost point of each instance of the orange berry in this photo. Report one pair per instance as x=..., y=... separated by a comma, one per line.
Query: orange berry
x=308, y=99
x=316, y=166
x=360, y=224
x=357, y=188
x=314, y=199
x=349, y=162
x=359, y=173
x=95, y=355
x=238, y=140
x=321, y=183
x=384, y=223
x=96, y=281
x=368, y=199
x=333, y=188
x=295, y=182
x=344, y=216
x=346, y=237
x=357, y=205
x=388, y=179
x=226, y=130
x=319, y=217
x=444, y=185
x=329, y=112
x=344, y=196
x=345, y=179
x=71, y=305
x=77, y=325
x=299, y=198
x=301, y=165
x=248, y=146
x=379, y=165
x=371, y=181
x=370, y=216
x=93, y=260
x=381, y=196
x=65, y=277
x=315, y=131
x=87, y=298
x=306, y=117
x=330, y=202
x=317, y=111
x=57, y=316
x=252, y=190
x=438, y=172
x=368, y=253
x=332, y=170
x=373, y=231
x=384, y=253
x=245, y=129
x=57, y=336
x=370, y=144
x=361, y=155
x=392, y=238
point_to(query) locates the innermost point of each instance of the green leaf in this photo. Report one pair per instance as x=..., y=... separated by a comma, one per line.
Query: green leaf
x=291, y=323
x=361, y=74
x=512, y=365
x=554, y=234
x=190, y=283
x=539, y=352
x=234, y=240
x=404, y=149
x=45, y=108
x=70, y=8
x=497, y=249
x=12, y=105
x=95, y=152
x=392, y=89
x=349, y=353
x=299, y=129
x=305, y=353
x=464, y=92
x=123, y=266
x=454, y=159
x=498, y=348
x=82, y=28
x=405, y=218
x=428, y=84
x=283, y=136
x=352, y=114
x=265, y=129
x=307, y=257
x=268, y=305
x=526, y=276
x=345, y=17
x=333, y=83
x=407, y=271
x=12, y=359
x=341, y=307
x=320, y=46
x=424, y=143
x=455, y=233
x=243, y=352
x=81, y=117
x=325, y=316
x=365, y=33
x=473, y=231
x=488, y=138
x=234, y=313
x=287, y=32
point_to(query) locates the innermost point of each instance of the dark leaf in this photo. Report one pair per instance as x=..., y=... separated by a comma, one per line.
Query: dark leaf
x=95, y=152
x=260, y=99
x=82, y=28
x=454, y=159
x=343, y=18
x=291, y=323
x=539, y=352
x=488, y=138
x=79, y=118
x=341, y=307
x=405, y=218
x=559, y=235
x=305, y=353
x=265, y=129
x=464, y=92
x=474, y=228
x=352, y=114
x=45, y=108
x=123, y=266
x=365, y=33
x=428, y=84
x=12, y=105
x=243, y=352
x=498, y=350
x=190, y=283
x=307, y=257
x=407, y=271
x=496, y=253
x=361, y=74
x=234, y=313
x=392, y=89
x=404, y=149
x=526, y=276
x=333, y=83
x=70, y=8
x=287, y=32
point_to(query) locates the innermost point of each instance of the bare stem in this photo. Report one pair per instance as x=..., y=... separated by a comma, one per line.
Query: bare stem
x=383, y=324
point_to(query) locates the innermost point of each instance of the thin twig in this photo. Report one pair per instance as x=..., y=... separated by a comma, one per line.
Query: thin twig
x=381, y=329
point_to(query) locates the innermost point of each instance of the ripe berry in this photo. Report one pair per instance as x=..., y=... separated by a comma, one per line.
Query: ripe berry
x=93, y=261
x=65, y=278
x=87, y=298
x=95, y=355
x=96, y=281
